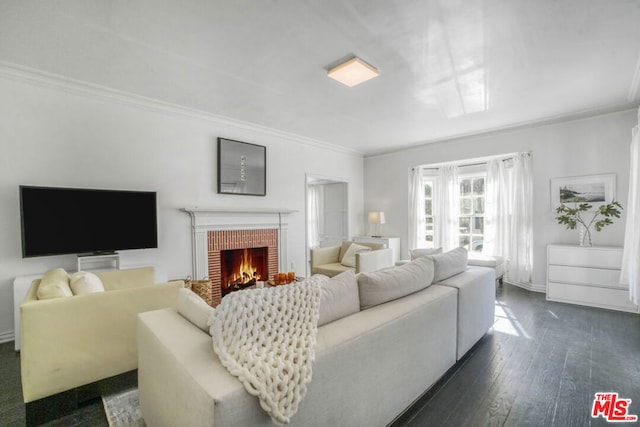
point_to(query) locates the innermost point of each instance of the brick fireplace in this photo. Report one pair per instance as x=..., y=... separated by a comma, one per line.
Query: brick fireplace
x=234, y=253
x=215, y=231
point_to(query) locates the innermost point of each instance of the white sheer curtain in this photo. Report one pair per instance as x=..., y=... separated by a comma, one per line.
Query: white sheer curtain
x=508, y=214
x=630, y=273
x=520, y=253
x=416, y=209
x=447, y=208
x=313, y=215
x=497, y=212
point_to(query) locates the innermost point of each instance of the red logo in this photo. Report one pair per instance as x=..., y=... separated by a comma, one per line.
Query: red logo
x=612, y=408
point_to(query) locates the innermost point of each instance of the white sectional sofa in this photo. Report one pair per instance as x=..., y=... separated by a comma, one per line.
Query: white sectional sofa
x=373, y=359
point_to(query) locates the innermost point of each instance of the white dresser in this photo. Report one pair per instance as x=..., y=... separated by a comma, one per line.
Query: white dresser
x=587, y=276
x=391, y=242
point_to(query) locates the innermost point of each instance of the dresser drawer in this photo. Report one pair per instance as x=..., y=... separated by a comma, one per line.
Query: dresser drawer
x=587, y=276
x=585, y=257
x=616, y=299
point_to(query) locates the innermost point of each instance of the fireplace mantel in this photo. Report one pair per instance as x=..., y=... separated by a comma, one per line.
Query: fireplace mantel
x=204, y=220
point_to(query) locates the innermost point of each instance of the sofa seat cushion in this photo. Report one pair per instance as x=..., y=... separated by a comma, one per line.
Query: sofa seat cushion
x=331, y=269
x=385, y=285
x=338, y=297
x=54, y=284
x=84, y=282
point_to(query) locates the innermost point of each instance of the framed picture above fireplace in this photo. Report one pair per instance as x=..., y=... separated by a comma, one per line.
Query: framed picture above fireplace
x=242, y=168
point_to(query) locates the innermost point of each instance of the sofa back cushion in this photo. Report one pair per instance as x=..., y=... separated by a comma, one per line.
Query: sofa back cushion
x=54, y=284
x=338, y=297
x=385, y=285
x=420, y=252
x=84, y=282
x=125, y=279
x=449, y=263
x=193, y=308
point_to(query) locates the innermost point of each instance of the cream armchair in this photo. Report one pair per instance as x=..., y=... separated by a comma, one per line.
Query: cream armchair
x=331, y=260
x=72, y=341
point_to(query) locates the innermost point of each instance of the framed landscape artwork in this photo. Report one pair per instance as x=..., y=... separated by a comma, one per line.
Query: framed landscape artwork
x=593, y=189
x=242, y=168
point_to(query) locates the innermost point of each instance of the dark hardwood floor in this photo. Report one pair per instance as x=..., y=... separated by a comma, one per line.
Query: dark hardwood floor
x=541, y=366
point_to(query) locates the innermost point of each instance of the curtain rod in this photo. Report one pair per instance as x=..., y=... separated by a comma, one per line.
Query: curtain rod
x=465, y=165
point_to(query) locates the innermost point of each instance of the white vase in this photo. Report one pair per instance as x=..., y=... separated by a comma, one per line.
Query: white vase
x=584, y=235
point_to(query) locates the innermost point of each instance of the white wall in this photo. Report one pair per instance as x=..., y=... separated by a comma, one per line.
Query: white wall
x=59, y=134
x=580, y=147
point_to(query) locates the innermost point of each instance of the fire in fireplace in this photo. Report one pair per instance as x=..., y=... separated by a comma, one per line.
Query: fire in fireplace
x=241, y=268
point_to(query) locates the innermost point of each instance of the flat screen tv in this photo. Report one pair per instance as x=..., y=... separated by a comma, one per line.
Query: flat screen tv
x=58, y=221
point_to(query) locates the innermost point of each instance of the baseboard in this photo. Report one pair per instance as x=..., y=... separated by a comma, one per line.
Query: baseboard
x=7, y=336
x=532, y=287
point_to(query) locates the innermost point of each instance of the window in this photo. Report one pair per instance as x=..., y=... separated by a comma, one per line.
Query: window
x=471, y=219
x=428, y=211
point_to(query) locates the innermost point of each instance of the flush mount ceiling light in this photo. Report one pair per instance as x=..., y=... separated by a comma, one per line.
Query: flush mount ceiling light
x=353, y=72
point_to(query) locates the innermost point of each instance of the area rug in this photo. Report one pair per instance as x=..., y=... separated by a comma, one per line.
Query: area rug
x=123, y=409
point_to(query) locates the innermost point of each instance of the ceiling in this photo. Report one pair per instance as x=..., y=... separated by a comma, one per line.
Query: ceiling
x=448, y=68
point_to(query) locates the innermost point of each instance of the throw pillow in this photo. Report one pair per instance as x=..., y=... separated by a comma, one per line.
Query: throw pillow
x=420, y=252
x=449, y=263
x=83, y=282
x=54, y=284
x=338, y=297
x=349, y=259
x=386, y=285
x=194, y=309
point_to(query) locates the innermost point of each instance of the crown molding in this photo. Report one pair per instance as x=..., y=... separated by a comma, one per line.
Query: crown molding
x=49, y=80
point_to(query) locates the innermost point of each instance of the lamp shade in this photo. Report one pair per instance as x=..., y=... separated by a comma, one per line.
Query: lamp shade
x=376, y=218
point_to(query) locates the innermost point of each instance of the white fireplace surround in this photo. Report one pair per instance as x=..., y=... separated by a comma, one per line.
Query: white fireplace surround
x=205, y=220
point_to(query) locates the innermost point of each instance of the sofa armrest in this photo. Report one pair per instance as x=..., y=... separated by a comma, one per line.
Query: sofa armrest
x=73, y=341
x=328, y=255
x=374, y=260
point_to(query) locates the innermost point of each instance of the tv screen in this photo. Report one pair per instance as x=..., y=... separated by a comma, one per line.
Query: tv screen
x=58, y=221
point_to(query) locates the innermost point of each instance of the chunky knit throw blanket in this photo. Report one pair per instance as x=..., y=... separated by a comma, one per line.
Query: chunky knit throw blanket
x=266, y=337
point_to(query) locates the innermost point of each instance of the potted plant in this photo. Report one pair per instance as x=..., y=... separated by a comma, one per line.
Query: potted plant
x=578, y=216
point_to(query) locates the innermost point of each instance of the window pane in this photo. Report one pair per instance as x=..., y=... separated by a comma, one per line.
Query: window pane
x=464, y=242
x=478, y=225
x=478, y=186
x=465, y=206
x=428, y=189
x=429, y=224
x=428, y=208
x=465, y=187
x=478, y=205
x=465, y=225
x=477, y=243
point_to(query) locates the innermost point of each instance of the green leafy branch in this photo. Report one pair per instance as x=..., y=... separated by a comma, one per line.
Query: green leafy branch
x=571, y=217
